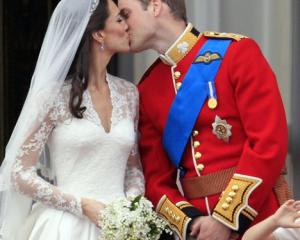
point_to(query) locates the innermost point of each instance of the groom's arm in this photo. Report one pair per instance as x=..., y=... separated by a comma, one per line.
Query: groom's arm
x=160, y=178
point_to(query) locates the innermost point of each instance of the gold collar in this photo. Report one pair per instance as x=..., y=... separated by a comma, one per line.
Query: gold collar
x=181, y=47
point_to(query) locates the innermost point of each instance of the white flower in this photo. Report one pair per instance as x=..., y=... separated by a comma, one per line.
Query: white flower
x=132, y=219
x=183, y=47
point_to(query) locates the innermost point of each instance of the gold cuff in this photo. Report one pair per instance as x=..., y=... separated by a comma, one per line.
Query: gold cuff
x=177, y=219
x=234, y=201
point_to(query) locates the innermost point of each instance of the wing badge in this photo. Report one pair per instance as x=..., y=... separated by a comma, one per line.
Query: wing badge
x=208, y=57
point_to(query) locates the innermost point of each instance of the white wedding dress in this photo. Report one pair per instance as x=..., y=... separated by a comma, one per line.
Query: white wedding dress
x=87, y=162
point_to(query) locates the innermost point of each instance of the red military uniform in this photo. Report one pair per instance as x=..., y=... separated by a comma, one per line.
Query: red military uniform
x=255, y=147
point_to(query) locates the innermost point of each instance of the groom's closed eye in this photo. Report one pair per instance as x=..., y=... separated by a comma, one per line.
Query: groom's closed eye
x=125, y=13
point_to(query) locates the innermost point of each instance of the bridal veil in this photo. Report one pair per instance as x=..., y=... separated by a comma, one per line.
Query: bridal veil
x=64, y=33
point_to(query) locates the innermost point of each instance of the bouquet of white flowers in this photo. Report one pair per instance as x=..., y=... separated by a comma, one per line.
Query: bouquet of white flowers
x=133, y=219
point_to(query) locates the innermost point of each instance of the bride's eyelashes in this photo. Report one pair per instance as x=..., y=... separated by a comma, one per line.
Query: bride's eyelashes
x=120, y=18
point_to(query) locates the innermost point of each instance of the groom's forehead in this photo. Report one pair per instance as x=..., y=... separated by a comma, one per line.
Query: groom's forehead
x=129, y=3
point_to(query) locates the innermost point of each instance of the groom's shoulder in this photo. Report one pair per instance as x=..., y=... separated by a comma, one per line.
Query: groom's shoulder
x=148, y=72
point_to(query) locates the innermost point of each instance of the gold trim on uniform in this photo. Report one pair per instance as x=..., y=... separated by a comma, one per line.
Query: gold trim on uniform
x=177, y=219
x=234, y=201
x=183, y=204
x=235, y=36
x=248, y=215
x=181, y=47
x=250, y=211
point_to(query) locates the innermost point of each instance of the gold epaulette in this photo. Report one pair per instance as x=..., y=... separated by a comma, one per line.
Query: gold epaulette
x=177, y=219
x=235, y=36
x=234, y=201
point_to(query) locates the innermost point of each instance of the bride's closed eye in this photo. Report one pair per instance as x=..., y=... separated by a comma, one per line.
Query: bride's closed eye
x=120, y=18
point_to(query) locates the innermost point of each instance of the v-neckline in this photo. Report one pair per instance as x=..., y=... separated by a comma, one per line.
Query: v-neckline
x=97, y=115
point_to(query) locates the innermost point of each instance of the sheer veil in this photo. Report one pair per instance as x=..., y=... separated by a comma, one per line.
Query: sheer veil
x=62, y=39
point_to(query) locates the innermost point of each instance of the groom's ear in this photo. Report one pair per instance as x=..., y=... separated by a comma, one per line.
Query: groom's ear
x=98, y=36
x=156, y=7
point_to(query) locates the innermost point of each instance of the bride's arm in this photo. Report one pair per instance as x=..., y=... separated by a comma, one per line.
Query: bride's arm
x=24, y=172
x=134, y=178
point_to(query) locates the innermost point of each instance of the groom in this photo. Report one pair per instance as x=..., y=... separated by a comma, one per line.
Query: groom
x=211, y=115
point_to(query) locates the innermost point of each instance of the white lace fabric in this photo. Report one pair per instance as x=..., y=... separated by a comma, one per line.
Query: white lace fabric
x=87, y=161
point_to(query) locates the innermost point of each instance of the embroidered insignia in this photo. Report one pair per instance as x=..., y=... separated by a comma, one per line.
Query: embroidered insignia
x=207, y=58
x=183, y=47
x=235, y=36
x=222, y=129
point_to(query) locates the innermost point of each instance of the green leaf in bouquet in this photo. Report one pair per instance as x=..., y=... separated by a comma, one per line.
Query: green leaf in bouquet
x=135, y=203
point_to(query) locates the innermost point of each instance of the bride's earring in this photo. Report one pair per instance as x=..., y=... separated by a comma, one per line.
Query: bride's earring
x=101, y=46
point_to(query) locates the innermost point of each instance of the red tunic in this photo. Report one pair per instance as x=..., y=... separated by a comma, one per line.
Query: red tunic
x=248, y=99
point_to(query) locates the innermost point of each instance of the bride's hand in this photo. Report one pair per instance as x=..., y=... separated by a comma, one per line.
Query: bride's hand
x=92, y=208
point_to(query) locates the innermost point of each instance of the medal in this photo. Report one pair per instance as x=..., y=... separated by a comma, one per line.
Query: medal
x=221, y=129
x=212, y=103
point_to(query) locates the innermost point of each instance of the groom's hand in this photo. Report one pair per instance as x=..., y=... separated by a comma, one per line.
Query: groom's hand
x=207, y=228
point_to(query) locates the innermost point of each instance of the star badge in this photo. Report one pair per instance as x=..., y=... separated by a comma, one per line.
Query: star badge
x=183, y=47
x=221, y=129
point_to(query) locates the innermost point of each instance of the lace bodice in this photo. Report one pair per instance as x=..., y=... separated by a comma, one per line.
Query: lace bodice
x=87, y=161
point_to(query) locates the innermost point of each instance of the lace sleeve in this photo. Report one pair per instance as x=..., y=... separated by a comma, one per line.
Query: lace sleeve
x=134, y=178
x=24, y=172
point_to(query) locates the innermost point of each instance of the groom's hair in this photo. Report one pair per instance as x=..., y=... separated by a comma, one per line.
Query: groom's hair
x=178, y=8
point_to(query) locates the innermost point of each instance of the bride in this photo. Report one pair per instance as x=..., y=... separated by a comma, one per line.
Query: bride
x=88, y=121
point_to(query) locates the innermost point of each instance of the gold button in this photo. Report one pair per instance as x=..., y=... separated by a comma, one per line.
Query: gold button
x=200, y=167
x=235, y=188
x=177, y=74
x=178, y=85
x=198, y=155
x=167, y=209
x=221, y=195
x=177, y=219
x=195, y=133
x=232, y=194
x=225, y=206
x=229, y=200
x=196, y=144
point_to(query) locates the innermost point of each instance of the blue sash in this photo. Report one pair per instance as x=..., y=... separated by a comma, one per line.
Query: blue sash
x=197, y=86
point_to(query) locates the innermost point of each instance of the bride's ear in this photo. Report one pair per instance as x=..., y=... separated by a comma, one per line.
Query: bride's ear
x=98, y=36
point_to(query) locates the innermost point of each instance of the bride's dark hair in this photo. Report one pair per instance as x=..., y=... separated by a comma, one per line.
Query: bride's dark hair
x=79, y=71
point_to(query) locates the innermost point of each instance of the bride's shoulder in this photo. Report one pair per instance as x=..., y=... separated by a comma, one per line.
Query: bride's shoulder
x=63, y=94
